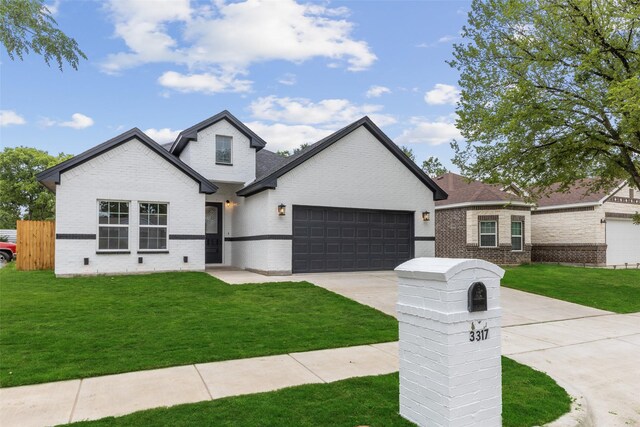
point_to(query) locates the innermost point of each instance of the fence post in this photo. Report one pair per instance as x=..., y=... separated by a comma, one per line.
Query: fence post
x=450, y=356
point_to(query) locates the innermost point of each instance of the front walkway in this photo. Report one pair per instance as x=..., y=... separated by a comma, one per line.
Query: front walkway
x=114, y=395
x=595, y=352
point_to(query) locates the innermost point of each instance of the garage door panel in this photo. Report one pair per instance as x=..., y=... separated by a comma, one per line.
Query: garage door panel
x=337, y=239
x=623, y=242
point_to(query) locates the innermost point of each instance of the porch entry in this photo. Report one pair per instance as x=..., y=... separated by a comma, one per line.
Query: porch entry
x=213, y=233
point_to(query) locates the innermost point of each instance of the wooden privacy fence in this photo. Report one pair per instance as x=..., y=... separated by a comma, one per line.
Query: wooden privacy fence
x=36, y=245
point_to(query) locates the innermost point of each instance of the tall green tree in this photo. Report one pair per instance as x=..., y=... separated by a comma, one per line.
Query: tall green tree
x=27, y=25
x=433, y=167
x=21, y=195
x=550, y=92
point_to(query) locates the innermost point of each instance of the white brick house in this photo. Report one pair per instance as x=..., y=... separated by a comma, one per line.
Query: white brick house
x=216, y=196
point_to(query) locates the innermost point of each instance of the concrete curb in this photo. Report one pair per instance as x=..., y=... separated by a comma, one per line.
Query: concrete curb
x=580, y=414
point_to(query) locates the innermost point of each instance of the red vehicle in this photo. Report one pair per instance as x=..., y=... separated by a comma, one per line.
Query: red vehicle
x=7, y=251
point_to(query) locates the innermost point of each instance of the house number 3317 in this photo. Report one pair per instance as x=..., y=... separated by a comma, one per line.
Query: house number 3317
x=479, y=335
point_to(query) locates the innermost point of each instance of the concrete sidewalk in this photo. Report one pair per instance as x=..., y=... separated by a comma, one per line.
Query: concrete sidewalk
x=113, y=395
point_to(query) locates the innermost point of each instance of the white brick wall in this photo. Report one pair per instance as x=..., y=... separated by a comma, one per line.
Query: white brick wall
x=504, y=224
x=131, y=172
x=201, y=155
x=446, y=379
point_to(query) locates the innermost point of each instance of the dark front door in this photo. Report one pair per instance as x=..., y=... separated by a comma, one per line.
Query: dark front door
x=213, y=233
x=341, y=239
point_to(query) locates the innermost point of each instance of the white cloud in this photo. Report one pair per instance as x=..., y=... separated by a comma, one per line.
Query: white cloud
x=442, y=94
x=288, y=79
x=423, y=131
x=163, y=135
x=442, y=40
x=377, y=91
x=206, y=82
x=78, y=121
x=9, y=117
x=333, y=112
x=226, y=38
x=280, y=136
x=53, y=7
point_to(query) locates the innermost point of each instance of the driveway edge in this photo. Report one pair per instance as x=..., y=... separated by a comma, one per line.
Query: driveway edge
x=580, y=414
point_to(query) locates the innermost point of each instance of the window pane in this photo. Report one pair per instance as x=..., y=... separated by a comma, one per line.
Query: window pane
x=124, y=207
x=163, y=208
x=223, y=149
x=516, y=243
x=144, y=207
x=488, y=240
x=211, y=220
x=113, y=207
x=487, y=227
x=162, y=220
x=516, y=228
x=104, y=208
x=103, y=218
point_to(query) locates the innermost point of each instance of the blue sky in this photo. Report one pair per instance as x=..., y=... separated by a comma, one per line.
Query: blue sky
x=293, y=72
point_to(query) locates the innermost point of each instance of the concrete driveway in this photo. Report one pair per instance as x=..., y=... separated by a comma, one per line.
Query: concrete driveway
x=593, y=352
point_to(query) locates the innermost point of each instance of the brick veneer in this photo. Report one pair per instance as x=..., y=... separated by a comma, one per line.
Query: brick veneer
x=587, y=253
x=451, y=241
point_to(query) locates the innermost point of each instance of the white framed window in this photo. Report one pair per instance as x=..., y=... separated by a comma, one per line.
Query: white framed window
x=113, y=225
x=516, y=235
x=488, y=234
x=223, y=149
x=153, y=233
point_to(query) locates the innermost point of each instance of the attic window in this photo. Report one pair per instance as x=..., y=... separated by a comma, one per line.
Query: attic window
x=223, y=149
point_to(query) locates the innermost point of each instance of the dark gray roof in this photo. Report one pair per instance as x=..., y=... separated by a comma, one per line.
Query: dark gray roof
x=191, y=134
x=50, y=177
x=269, y=178
x=268, y=162
x=167, y=146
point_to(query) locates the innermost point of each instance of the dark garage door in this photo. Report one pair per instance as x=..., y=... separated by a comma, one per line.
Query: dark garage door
x=340, y=239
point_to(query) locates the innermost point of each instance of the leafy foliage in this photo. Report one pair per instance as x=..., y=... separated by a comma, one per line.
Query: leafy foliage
x=21, y=195
x=287, y=153
x=550, y=92
x=408, y=152
x=27, y=25
x=433, y=167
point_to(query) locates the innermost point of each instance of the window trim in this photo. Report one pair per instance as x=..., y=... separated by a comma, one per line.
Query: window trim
x=521, y=236
x=480, y=233
x=112, y=251
x=230, y=163
x=140, y=226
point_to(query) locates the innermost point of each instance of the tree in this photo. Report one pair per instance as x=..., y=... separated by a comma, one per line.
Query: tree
x=408, y=152
x=550, y=92
x=287, y=153
x=21, y=195
x=433, y=167
x=27, y=25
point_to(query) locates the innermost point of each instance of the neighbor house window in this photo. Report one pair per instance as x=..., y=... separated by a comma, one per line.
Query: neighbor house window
x=223, y=149
x=516, y=235
x=113, y=225
x=153, y=226
x=488, y=234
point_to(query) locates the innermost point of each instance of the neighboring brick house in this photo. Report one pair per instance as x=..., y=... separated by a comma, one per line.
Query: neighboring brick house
x=483, y=221
x=218, y=197
x=580, y=227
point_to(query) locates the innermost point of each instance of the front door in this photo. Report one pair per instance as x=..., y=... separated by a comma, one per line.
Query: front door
x=213, y=233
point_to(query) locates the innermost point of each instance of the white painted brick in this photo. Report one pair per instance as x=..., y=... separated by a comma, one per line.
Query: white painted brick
x=447, y=380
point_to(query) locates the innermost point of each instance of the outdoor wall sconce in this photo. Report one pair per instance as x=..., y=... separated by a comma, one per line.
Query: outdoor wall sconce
x=426, y=216
x=228, y=203
x=282, y=209
x=603, y=221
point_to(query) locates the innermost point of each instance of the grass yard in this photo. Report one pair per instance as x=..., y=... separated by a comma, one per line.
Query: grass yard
x=606, y=289
x=529, y=398
x=55, y=329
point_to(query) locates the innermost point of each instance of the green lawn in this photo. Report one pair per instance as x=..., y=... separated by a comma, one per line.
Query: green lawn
x=529, y=398
x=606, y=289
x=55, y=329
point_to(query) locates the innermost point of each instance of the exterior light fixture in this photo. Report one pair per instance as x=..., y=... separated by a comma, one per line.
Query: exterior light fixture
x=228, y=203
x=426, y=216
x=603, y=221
x=282, y=209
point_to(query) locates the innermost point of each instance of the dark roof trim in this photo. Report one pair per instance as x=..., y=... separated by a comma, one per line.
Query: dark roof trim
x=191, y=134
x=270, y=181
x=50, y=177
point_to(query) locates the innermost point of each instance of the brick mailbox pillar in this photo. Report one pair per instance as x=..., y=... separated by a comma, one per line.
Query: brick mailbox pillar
x=449, y=318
